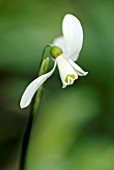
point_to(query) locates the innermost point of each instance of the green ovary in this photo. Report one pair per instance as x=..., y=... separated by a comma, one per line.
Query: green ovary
x=69, y=75
x=55, y=51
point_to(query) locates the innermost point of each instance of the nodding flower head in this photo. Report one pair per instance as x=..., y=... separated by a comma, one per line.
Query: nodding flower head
x=65, y=50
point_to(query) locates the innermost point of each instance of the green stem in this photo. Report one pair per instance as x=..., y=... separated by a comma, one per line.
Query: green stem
x=39, y=93
x=42, y=70
x=42, y=58
x=35, y=107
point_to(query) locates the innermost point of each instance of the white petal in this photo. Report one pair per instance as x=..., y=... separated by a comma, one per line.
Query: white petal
x=78, y=69
x=33, y=87
x=73, y=35
x=67, y=73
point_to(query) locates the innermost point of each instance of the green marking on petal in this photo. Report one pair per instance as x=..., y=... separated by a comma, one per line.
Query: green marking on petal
x=69, y=75
x=80, y=72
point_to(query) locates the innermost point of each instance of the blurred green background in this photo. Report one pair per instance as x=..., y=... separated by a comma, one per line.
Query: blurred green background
x=75, y=126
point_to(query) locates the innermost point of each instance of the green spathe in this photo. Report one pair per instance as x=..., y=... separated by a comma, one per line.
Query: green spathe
x=55, y=51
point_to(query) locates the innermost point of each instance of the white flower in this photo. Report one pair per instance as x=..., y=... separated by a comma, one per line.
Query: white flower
x=65, y=51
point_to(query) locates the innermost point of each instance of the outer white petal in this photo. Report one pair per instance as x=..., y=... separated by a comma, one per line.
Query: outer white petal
x=65, y=70
x=78, y=69
x=73, y=35
x=33, y=87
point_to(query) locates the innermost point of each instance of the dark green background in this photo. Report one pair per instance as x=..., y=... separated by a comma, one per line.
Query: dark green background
x=75, y=126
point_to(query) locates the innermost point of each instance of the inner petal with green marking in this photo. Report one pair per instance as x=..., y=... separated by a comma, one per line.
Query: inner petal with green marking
x=71, y=76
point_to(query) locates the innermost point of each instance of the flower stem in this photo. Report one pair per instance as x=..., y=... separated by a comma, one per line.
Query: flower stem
x=34, y=110
x=39, y=94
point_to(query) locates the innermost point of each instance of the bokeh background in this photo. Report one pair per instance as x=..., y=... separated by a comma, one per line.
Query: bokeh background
x=74, y=129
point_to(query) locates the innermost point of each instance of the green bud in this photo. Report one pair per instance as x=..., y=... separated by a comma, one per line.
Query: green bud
x=55, y=51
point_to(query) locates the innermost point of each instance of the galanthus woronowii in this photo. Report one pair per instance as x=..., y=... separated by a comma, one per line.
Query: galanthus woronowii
x=65, y=50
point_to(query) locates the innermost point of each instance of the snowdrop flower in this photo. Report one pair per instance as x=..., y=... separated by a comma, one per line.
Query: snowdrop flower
x=65, y=51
